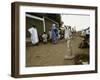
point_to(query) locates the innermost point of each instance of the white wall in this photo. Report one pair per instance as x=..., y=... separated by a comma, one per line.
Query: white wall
x=5, y=40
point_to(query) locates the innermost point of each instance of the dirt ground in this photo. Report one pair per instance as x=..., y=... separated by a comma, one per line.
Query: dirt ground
x=53, y=54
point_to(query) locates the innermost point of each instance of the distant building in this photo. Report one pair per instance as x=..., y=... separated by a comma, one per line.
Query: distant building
x=43, y=22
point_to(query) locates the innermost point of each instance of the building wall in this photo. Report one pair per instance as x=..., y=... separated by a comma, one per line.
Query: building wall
x=48, y=24
x=37, y=23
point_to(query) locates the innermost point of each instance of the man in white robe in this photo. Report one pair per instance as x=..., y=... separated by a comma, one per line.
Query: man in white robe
x=67, y=33
x=34, y=35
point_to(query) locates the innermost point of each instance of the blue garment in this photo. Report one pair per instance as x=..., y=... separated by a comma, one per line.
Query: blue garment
x=54, y=34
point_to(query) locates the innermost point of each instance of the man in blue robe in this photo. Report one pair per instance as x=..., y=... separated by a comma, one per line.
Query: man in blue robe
x=54, y=31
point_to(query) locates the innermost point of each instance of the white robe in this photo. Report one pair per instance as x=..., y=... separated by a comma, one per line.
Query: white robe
x=34, y=35
x=67, y=34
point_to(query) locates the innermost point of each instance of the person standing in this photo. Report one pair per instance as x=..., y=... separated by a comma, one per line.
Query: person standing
x=54, y=33
x=34, y=34
x=44, y=37
x=67, y=33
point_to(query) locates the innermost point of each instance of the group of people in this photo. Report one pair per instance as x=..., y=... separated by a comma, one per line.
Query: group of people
x=53, y=35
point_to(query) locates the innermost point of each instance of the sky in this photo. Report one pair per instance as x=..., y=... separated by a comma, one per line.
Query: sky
x=79, y=21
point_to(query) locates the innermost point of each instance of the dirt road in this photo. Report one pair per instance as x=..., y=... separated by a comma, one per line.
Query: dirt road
x=53, y=54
